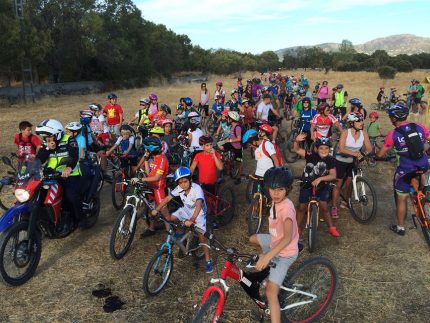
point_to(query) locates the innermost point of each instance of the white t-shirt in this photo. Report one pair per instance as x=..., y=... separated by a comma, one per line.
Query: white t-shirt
x=264, y=162
x=131, y=140
x=264, y=109
x=196, y=134
x=102, y=118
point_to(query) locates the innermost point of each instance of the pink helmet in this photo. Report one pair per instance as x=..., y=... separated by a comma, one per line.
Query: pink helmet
x=153, y=96
x=167, y=121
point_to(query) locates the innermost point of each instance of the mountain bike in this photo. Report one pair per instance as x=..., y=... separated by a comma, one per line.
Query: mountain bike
x=221, y=205
x=231, y=165
x=305, y=296
x=183, y=150
x=212, y=124
x=120, y=182
x=381, y=106
x=124, y=228
x=160, y=267
x=389, y=156
x=291, y=155
x=258, y=205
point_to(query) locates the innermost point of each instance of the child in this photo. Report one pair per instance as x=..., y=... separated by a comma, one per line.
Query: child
x=125, y=143
x=27, y=143
x=73, y=129
x=280, y=246
x=223, y=131
x=169, y=137
x=218, y=106
x=319, y=170
x=194, y=209
x=194, y=134
x=380, y=95
x=374, y=128
x=159, y=133
x=161, y=115
x=98, y=125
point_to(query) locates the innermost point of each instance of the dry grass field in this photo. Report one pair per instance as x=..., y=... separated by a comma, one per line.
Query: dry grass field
x=382, y=277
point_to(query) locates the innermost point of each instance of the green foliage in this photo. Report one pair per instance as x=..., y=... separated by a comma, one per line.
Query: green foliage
x=386, y=72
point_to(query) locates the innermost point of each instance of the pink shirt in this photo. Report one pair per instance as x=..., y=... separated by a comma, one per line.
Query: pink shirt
x=323, y=92
x=284, y=210
x=153, y=108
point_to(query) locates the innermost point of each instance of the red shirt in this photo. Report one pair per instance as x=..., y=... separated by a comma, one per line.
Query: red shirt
x=160, y=165
x=113, y=112
x=26, y=147
x=207, y=168
x=157, y=118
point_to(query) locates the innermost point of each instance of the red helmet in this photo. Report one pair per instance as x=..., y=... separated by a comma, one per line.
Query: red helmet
x=266, y=128
x=374, y=114
x=382, y=88
x=322, y=106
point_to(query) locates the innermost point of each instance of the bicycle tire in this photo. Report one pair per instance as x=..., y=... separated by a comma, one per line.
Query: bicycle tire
x=226, y=204
x=210, y=127
x=367, y=217
x=301, y=278
x=125, y=214
x=119, y=192
x=425, y=223
x=374, y=106
x=312, y=230
x=198, y=253
x=255, y=215
x=167, y=265
x=206, y=311
x=3, y=192
x=249, y=192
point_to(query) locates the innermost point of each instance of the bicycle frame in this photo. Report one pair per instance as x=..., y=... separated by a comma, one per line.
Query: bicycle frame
x=313, y=200
x=212, y=203
x=356, y=172
x=135, y=201
x=417, y=205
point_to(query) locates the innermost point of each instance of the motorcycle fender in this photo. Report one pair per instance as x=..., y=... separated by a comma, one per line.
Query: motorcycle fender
x=8, y=217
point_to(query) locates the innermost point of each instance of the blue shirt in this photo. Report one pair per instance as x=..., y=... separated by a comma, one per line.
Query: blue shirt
x=81, y=143
x=218, y=109
x=307, y=116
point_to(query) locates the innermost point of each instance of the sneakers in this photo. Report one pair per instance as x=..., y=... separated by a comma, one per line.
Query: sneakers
x=147, y=233
x=333, y=212
x=399, y=230
x=209, y=267
x=333, y=232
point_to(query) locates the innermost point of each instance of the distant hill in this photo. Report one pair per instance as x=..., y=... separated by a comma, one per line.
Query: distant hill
x=393, y=45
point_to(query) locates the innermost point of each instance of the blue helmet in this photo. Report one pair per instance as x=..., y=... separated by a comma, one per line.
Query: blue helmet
x=355, y=101
x=188, y=101
x=249, y=134
x=152, y=144
x=398, y=111
x=182, y=172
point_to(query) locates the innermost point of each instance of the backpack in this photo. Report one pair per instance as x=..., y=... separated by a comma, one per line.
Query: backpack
x=22, y=143
x=278, y=152
x=413, y=141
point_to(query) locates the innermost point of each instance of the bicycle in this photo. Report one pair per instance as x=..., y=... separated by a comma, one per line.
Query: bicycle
x=222, y=204
x=124, y=228
x=212, y=124
x=258, y=205
x=120, y=180
x=297, y=128
x=389, y=156
x=231, y=165
x=382, y=105
x=7, y=183
x=305, y=295
x=160, y=267
x=183, y=150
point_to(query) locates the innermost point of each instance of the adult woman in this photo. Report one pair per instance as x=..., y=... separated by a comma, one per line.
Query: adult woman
x=322, y=93
x=219, y=91
x=350, y=143
x=204, y=98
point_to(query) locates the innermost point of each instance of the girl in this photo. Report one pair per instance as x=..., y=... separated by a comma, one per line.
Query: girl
x=204, y=98
x=280, y=246
x=322, y=93
x=219, y=91
x=350, y=143
x=223, y=131
x=169, y=136
x=153, y=107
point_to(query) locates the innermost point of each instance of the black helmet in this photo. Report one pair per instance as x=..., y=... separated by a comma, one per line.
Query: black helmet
x=112, y=96
x=152, y=144
x=165, y=108
x=278, y=177
x=306, y=99
x=205, y=139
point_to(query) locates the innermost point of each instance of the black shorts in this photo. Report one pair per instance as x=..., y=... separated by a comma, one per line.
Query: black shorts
x=343, y=170
x=205, y=109
x=417, y=100
x=341, y=109
x=237, y=152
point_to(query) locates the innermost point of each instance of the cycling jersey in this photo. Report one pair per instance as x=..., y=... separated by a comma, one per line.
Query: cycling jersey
x=160, y=166
x=157, y=118
x=323, y=124
x=307, y=116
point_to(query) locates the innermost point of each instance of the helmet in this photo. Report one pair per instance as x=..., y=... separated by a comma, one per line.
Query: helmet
x=74, y=126
x=152, y=144
x=195, y=120
x=193, y=114
x=306, y=99
x=322, y=106
x=278, y=177
x=354, y=117
x=50, y=127
x=144, y=101
x=245, y=100
x=179, y=107
x=188, y=101
x=302, y=92
x=374, y=114
x=234, y=115
x=224, y=113
x=127, y=128
x=165, y=108
x=153, y=96
x=339, y=86
x=266, y=128
x=249, y=134
x=86, y=114
x=233, y=91
x=264, y=89
x=355, y=101
x=205, y=139
x=167, y=121
x=157, y=130
x=95, y=107
x=322, y=141
x=112, y=96
x=398, y=111
x=219, y=83
x=182, y=172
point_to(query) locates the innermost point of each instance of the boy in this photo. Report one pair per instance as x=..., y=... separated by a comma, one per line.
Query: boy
x=114, y=114
x=194, y=209
x=319, y=170
x=125, y=143
x=27, y=142
x=374, y=128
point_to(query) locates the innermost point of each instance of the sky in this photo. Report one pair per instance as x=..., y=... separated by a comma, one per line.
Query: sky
x=259, y=25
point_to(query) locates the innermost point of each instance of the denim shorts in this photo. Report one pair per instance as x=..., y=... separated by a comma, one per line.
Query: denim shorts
x=277, y=275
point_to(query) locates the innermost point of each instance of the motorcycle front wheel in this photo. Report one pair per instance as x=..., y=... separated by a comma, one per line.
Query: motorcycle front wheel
x=18, y=260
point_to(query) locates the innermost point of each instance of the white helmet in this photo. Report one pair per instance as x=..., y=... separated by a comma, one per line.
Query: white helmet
x=195, y=120
x=234, y=115
x=74, y=126
x=50, y=127
x=94, y=107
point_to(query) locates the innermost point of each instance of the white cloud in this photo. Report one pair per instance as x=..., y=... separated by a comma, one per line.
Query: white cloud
x=340, y=5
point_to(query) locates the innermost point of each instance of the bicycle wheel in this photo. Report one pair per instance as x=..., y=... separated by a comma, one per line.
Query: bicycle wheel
x=312, y=230
x=255, y=215
x=363, y=209
x=249, y=192
x=158, y=272
x=225, y=204
x=206, y=312
x=122, y=233
x=316, y=276
x=119, y=191
x=290, y=154
x=374, y=106
x=7, y=197
x=210, y=127
x=425, y=222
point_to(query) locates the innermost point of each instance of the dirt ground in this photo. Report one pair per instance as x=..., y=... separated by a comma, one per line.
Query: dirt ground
x=382, y=277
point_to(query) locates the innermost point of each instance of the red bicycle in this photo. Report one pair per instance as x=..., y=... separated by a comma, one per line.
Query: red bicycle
x=221, y=205
x=305, y=295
